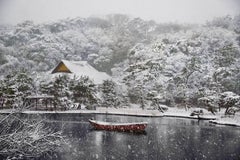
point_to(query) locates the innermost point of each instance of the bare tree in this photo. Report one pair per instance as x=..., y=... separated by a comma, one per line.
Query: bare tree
x=24, y=139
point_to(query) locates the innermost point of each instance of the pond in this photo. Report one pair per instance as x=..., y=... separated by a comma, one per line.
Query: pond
x=165, y=138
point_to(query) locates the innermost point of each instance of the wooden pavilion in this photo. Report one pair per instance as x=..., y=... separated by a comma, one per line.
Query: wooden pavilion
x=40, y=102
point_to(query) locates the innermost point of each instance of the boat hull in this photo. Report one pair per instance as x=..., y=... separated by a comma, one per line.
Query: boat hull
x=124, y=127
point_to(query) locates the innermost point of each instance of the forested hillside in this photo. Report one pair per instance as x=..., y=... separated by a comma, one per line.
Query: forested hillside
x=101, y=41
x=174, y=62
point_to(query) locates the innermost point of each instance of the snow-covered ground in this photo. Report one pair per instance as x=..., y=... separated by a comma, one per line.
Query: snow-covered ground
x=232, y=121
x=219, y=118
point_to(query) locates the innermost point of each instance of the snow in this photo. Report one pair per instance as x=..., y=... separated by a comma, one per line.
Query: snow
x=82, y=68
x=116, y=124
x=39, y=96
x=182, y=113
x=232, y=121
x=219, y=118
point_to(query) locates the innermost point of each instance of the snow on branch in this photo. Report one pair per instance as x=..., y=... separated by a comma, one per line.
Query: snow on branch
x=27, y=139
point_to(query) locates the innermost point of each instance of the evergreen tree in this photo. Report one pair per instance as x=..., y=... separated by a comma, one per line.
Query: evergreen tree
x=15, y=87
x=109, y=94
x=2, y=58
x=228, y=100
x=83, y=91
x=59, y=88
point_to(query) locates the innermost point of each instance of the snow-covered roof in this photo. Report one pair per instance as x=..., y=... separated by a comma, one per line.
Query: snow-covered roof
x=82, y=68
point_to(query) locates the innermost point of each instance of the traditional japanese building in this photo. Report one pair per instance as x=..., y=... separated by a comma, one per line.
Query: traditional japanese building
x=80, y=68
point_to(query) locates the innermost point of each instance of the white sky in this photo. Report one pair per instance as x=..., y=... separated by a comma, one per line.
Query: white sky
x=189, y=11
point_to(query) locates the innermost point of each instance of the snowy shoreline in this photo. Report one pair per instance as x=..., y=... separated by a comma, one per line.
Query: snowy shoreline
x=172, y=112
x=227, y=121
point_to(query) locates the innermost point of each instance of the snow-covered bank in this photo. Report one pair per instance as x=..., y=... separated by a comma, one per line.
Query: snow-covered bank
x=231, y=121
x=171, y=112
x=182, y=113
x=100, y=110
x=134, y=111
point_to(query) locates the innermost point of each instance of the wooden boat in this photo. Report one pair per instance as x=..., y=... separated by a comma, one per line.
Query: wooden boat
x=122, y=127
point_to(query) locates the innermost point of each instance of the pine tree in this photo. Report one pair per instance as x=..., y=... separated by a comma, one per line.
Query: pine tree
x=15, y=87
x=83, y=91
x=59, y=88
x=109, y=94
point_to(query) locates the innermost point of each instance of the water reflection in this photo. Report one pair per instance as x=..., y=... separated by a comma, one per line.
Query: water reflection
x=166, y=138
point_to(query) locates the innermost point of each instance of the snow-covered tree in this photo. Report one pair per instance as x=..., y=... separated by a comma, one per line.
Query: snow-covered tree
x=209, y=102
x=67, y=91
x=138, y=95
x=28, y=139
x=15, y=87
x=109, y=94
x=59, y=88
x=2, y=57
x=83, y=91
x=229, y=100
x=182, y=62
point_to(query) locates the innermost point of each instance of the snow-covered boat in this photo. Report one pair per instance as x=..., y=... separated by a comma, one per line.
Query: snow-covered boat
x=123, y=127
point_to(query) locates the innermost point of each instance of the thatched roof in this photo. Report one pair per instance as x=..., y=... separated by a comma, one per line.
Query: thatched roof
x=80, y=68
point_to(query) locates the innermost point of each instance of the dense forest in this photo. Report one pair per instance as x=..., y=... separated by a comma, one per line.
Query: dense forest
x=173, y=63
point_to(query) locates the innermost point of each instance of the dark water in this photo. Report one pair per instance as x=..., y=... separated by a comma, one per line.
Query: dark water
x=165, y=138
